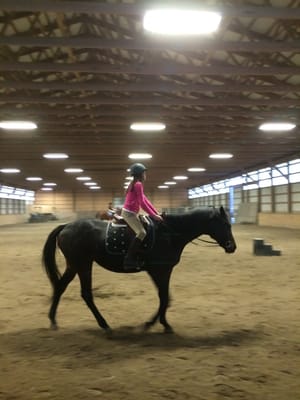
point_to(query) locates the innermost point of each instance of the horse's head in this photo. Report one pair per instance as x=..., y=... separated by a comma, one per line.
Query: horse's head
x=220, y=230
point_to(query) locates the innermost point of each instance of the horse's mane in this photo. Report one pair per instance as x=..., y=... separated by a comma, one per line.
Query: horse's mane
x=185, y=219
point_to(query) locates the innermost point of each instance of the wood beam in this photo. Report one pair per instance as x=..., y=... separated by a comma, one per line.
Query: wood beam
x=149, y=87
x=150, y=100
x=162, y=68
x=267, y=46
x=155, y=111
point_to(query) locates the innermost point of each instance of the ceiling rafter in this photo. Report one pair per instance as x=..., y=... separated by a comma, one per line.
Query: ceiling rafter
x=148, y=69
x=148, y=87
x=147, y=100
x=172, y=111
x=90, y=42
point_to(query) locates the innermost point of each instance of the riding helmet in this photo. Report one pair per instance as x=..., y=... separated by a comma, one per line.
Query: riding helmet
x=137, y=169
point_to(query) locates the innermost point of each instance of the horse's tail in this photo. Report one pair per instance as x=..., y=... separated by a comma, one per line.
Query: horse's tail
x=48, y=257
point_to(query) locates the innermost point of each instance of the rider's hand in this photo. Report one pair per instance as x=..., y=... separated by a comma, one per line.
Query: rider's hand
x=158, y=217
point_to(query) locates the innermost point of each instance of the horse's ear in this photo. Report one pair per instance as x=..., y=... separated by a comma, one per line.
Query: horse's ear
x=222, y=211
x=224, y=214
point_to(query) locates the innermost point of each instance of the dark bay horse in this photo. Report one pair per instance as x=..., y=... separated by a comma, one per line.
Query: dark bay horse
x=84, y=241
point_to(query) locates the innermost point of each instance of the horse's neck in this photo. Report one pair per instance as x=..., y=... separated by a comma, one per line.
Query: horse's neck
x=187, y=226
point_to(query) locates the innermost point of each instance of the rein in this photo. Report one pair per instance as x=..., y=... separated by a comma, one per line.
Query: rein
x=205, y=241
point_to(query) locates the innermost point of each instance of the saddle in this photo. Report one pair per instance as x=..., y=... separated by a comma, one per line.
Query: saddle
x=119, y=235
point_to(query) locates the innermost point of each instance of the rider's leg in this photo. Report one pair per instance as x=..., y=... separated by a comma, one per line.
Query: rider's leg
x=130, y=260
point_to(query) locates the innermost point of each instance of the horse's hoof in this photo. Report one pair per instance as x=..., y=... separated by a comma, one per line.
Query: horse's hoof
x=53, y=326
x=147, y=326
x=168, y=330
x=109, y=333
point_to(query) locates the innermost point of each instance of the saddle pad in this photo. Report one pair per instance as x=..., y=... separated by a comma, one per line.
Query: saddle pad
x=119, y=237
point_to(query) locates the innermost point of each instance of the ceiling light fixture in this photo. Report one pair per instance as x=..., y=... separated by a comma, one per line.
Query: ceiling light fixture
x=83, y=178
x=147, y=126
x=220, y=155
x=196, y=169
x=49, y=184
x=73, y=170
x=181, y=22
x=95, y=187
x=55, y=155
x=170, y=183
x=139, y=156
x=180, y=177
x=34, y=178
x=18, y=125
x=10, y=170
x=277, y=126
x=163, y=187
x=46, y=189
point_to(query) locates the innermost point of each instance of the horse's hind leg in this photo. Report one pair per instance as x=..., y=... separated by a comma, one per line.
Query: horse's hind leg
x=161, y=280
x=85, y=276
x=59, y=288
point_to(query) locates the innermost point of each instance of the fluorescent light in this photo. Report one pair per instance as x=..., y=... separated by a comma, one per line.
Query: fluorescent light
x=181, y=22
x=18, y=125
x=90, y=183
x=47, y=189
x=33, y=178
x=220, y=155
x=94, y=187
x=73, y=170
x=139, y=156
x=196, y=169
x=180, y=177
x=49, y=184
x=277, y=126
x=170, y=183
x=83, y=178
x=147, y=126
x=163, y=187
x=55, y=155
x=10, y=170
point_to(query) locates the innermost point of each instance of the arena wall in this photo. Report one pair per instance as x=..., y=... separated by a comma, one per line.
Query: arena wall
x=70, y=205
x=280, y=220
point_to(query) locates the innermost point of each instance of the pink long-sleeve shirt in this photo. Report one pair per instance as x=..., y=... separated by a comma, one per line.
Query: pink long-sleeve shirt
x=136, y=199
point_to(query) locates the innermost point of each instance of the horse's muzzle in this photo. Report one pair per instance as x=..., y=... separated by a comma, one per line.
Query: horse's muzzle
x=230, y=247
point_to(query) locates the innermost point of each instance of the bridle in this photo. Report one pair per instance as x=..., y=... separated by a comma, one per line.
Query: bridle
x=211, y=242
x=205, y=241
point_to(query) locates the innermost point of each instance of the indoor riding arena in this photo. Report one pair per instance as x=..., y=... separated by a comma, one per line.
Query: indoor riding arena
x=235, y=317
x=207, y=107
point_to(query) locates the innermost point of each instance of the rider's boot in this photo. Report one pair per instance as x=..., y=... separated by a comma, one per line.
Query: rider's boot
x=130, y=260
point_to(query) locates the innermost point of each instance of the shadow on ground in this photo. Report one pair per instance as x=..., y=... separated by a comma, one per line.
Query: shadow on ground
x=91, y=346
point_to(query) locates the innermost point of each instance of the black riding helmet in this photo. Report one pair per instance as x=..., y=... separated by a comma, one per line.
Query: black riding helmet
x=137, y=169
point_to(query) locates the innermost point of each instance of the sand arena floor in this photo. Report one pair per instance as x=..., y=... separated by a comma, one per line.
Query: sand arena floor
x=236, y=319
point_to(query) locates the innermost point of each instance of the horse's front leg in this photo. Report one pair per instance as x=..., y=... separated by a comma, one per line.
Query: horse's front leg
x=161, y=279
